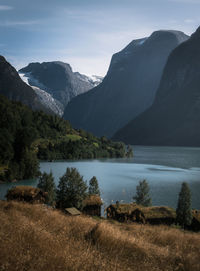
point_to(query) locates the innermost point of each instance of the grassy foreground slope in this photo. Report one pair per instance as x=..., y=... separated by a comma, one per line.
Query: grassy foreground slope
x=34, y=237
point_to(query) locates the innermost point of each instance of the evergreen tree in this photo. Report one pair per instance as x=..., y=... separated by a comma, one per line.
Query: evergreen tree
x=29, y=164
x=94, y=187
x=72, y=189
x=183, y=211
x=129, y=152
x=142, y=196
x=46, y=183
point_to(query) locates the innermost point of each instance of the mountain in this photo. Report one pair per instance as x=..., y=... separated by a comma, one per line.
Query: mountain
x=58, y=79
x=129, y=86
x=15, y=89
x=45, y=98
x=174, y=117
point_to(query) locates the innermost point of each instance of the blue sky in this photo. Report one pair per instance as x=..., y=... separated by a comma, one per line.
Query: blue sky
x=85, y=33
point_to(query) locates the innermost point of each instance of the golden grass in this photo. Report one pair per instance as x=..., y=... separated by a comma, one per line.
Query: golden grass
x=24, y=190
x=92, y=200
x=35, y=237
x=26, y=193
x=149, y=212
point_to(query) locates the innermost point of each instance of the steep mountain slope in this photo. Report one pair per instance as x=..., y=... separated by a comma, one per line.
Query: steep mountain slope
x=58, y=79
x=129, y=86
x=15, y=89
x=45, y=98
x=174, y=118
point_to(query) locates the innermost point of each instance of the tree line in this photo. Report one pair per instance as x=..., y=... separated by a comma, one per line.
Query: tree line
x=183, y=210
x=27, y=137
x=72, y=190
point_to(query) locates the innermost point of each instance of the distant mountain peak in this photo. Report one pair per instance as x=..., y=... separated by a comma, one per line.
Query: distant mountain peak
x=166, y=34
x=174, y=117
x=58, y=80
x=129, y=86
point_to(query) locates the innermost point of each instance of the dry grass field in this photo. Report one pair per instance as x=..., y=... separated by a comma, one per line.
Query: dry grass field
x=34, y=237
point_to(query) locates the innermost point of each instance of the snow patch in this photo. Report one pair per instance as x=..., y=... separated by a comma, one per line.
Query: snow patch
x=44, y=97
x=49, y=101
x=94, y=80
x=24, y=77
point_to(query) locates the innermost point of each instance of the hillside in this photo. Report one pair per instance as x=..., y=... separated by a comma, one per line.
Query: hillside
x=26, y=136
x=129, y=87
x=15, y=89
x=35, y=237
x=174, y=117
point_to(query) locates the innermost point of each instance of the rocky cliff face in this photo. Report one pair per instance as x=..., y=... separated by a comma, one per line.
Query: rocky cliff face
x=58, y=79
x=129, y=86
x=15, y=89
x=174, y=117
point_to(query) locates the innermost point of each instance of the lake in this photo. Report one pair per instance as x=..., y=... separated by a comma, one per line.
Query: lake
x=165, y=168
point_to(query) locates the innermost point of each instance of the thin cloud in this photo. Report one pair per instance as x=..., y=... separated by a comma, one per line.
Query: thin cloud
x=4, y=8
x=189, y=21
x=18, y=23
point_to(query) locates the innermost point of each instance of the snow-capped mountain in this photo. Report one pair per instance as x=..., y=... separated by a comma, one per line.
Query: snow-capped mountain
x=58, y=80
x=44, y=97
x=95, y=80
x=47, y=99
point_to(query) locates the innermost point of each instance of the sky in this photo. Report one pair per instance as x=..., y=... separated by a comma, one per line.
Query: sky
x=86, y=33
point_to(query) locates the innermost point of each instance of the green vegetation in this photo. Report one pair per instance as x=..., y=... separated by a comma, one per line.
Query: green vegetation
x=96, y=144
x=73, y=137
x=94, y=186
x=129, y=152
x=142, y=196
x=184, y=210
x=72, y=189
x=26, y=136
x=46, y=184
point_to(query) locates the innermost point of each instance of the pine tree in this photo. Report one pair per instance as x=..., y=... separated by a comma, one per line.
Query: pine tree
x=94, y=187
x=184, y=211
x=142, y=196
x=129, y=152
x=46, y=183
x=72, y=189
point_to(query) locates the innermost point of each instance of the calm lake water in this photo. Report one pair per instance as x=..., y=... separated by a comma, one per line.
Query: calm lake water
x=165, y=168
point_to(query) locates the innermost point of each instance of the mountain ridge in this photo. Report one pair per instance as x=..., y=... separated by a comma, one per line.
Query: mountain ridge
x=174, y=117
x=128, y=88
x=12, y=86
x=58, y=79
